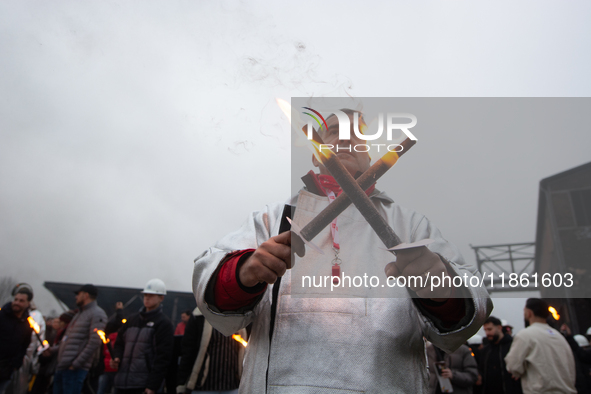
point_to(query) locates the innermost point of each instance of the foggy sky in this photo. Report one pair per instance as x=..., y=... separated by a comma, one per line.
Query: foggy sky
x=133, y=135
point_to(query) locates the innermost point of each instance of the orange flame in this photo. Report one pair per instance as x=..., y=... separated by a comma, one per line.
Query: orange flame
x=239, y=339
x=390, y=158
x=554, y=313
x=285, y=108
x=101, y=334
x=33, y=324
x=124, y=321
x=321, y=152
x=45, y=343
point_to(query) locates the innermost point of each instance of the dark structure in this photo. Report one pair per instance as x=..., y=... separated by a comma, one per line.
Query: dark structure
x=173, y=305
x=563, y=244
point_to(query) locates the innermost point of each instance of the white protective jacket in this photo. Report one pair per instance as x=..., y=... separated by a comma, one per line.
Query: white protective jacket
x=338, y=345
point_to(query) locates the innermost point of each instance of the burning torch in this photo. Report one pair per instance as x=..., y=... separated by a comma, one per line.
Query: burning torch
x=105, y=340
x=554, y=313
x=44, y=345
x=238, y=338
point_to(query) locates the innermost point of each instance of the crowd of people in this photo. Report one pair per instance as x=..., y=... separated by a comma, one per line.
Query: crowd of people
x=538, y=359
x=353, y=342
x=141, y=352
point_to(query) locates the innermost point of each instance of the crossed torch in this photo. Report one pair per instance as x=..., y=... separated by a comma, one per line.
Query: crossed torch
x=353, y=192
x=44, y=345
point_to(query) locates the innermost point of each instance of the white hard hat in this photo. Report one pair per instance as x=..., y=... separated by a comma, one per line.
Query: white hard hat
x=505, y=323
x=588, y=331
x=581, y=340
x=155, y=286
x=475, y=340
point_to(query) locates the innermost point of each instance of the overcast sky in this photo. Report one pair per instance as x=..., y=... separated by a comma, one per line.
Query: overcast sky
x=133, y=135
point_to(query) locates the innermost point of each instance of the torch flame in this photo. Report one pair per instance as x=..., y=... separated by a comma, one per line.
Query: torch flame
x=124, y=321
x=239, y=339
x=101, y=334
x=554, y=313
x=321, y=152
x=33, y=324
x=45, y=343
x=285, y=107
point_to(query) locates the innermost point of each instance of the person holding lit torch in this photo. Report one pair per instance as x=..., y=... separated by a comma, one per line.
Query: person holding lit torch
x=15, y=334
x=210, y=361
x=355, y=342
x=109, y=336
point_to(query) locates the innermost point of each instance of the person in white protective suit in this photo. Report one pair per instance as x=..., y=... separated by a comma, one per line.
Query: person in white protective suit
x=304, y=340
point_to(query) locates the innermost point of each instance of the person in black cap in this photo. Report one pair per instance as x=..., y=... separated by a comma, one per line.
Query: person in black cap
x=79, y=343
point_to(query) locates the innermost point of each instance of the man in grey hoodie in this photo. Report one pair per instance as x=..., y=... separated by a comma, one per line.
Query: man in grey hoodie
x=80, y=343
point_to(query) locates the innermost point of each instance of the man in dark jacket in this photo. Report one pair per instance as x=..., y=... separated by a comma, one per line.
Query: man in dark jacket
x=495, y=377
x=143, y=350
x=582, y=360
x=15, y=335
x=459, y=367
x=80, y=343
x=210, y=361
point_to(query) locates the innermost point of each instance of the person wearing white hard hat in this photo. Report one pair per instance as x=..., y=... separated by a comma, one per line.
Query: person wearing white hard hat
x=143, y=350
x=507, y=328
x=581, y=340
x=580, y=347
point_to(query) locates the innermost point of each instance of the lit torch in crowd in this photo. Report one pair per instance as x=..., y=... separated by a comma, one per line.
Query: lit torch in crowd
x=554, y=313
x=238, y=338
x=44, y=344
x=105, y=340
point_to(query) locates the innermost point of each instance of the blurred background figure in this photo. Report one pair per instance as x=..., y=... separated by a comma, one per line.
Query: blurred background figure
x=48, y=359
x=475, y=345
x=459, y=367
x=30, y=367
x=143, y=350
x=105, y=382
x=210, y=362
x=180, y=328
x=582, y=353
x=15, y=335
x=507, y=328
x=80, y=342
x=540, y=355
x=491, y=361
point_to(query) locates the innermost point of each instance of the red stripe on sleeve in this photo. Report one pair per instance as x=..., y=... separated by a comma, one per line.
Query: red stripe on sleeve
x=227, y=292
